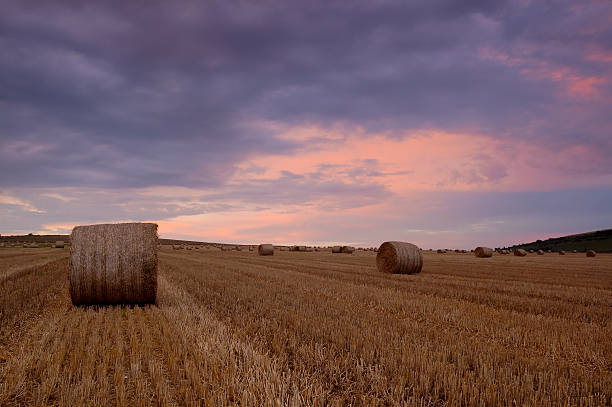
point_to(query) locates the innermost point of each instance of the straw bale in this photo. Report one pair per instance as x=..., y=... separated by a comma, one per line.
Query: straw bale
x=540, y=252
x=482, y=251
x=591, y=253
x=113, y=264
x=561, y=252
x=347, y=249
x=520, y=253
x=337, y=249
x=265, y=250
x=59, y=244
x=399, y=258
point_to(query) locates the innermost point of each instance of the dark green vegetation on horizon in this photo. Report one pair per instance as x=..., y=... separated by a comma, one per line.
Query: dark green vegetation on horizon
x=600, y=241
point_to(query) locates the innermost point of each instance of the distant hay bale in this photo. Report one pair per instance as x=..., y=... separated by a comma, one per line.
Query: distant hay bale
x=520, y=253
x=399, y=258
x=176, y=247
x=441, y=251
x=265, y=250
x=591, y=253
x=561, y=252
x=482, y=251
x=574, y=251
x=59, y=244
x=113, y=264
x=540, y=252
x=530, y=250
x=347, y=249
x=337, y=249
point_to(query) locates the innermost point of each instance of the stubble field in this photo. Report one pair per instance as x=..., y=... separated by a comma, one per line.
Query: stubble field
x=233, y=328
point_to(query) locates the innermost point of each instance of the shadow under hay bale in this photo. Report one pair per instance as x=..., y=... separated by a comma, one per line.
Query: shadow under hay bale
x=399, y=258
x=113, y=264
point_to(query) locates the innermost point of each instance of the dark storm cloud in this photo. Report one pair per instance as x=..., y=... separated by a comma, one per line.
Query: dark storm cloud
x=131, y=94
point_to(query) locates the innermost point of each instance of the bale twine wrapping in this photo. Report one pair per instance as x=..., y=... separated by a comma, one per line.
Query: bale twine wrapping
x=337, y=249
x=265, y=250
x=482, y=251
x=399, y=258
x=59, y=244
x=591, y=253
x=347, y=249
x=520, y=253
x=113, y=264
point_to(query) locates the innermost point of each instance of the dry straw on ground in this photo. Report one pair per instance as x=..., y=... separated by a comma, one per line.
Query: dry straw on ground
x=520, y=253
x=399, y=258
x=265, y=250
x=114, y=264
x=481, y=251
x=59, y=244
x=591, y=253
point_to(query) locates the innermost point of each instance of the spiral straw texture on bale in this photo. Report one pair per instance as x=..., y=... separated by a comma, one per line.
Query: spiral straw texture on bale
x=481, y=251
x=265, y=250
x=520, y=253
x=399, y=258
x=59, y=244
x=114, y=264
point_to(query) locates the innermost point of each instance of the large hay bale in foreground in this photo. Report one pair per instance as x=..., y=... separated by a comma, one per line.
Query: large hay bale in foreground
x=113, y=264
x=337, y=249
x=591, y=253
x=59, y=244
x=399, y=258
x=482, y=251
x=520, y=253
x=265, y=250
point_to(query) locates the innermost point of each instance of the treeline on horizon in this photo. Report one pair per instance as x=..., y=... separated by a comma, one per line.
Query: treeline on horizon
x=600, y=241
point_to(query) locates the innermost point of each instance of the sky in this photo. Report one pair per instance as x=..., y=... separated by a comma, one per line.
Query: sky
x=441, y=123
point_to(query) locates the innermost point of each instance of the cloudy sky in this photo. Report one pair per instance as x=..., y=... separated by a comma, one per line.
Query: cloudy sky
x=442, y=123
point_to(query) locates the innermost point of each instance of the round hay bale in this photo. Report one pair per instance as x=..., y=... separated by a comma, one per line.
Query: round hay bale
x=530, y=250
x=399, y=258
x=541, y=252
x=574, y=251
x=265, y=250
x=113, y=264
x=59, y=244
x=337, y=249
x=520, y=253
x=561, y=252
x=441, y=251
x=482, y=251
x=347, y=249
x=591, y=253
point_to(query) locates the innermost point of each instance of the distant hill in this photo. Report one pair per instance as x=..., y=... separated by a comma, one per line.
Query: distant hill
x=600, y=241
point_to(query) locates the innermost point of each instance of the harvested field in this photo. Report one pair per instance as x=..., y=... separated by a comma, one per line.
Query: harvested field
x=235, y=328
